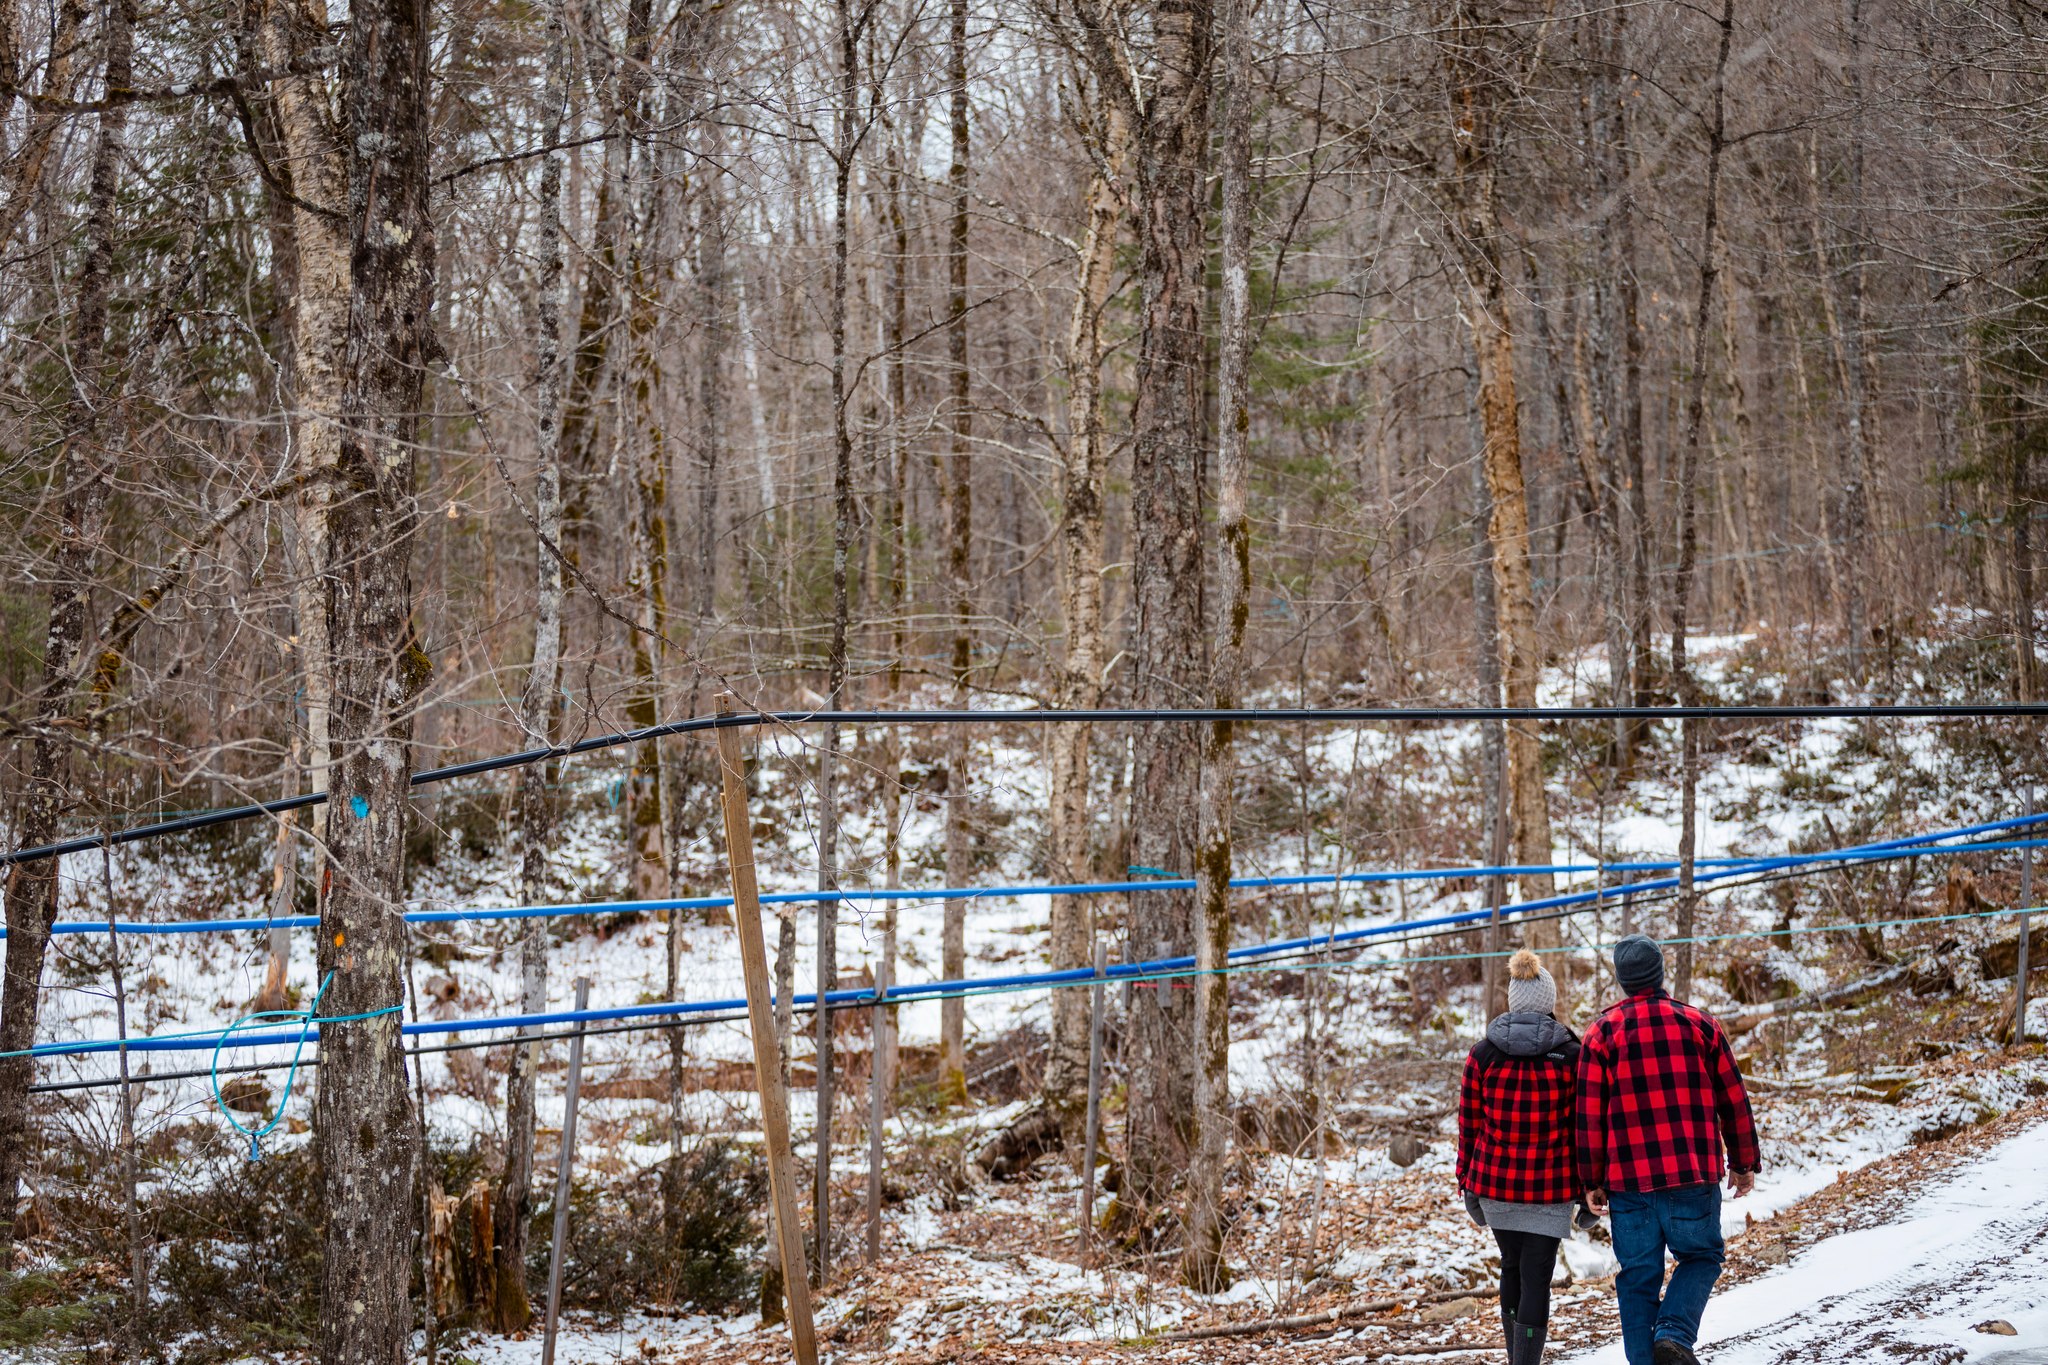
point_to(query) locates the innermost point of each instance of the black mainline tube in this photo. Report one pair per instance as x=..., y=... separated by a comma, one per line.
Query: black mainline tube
x=1097, y=716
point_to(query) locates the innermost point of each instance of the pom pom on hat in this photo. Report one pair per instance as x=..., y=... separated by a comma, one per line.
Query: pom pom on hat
x=1530, y=988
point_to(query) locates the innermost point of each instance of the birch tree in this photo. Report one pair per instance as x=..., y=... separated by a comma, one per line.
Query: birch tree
x=1084, y=460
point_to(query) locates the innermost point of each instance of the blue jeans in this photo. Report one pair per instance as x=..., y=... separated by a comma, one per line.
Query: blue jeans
x=1688, y=1221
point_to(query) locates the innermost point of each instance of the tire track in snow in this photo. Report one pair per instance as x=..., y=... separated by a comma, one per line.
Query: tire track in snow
x=1973, y=1246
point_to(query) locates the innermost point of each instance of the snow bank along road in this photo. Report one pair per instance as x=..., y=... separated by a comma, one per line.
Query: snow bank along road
x=1973, y=1248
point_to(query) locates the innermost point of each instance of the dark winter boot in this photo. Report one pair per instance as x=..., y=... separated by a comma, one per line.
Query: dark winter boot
x=1669, y=1352
x=1529, y=1345
x=1507, y=1330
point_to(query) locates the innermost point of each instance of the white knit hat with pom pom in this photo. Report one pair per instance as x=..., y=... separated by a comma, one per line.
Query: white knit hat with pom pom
x=1530, y=988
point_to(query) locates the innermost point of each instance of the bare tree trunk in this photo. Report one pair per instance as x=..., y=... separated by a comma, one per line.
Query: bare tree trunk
x=648, y=568
x=1578, y=428
x=1748, y=487
x=715, y=339
x=1856, y=460
x=1495, y=801
x=959, y=492
x=1641, y=605
x=844, y=516
x=364, y=1133
x=1833, y=552
x=1843, y=510
x=1167, y=667
x=757, y=412
x=1688, y=497
x=30, y=158
x=1084, y=463
x=1596, y=467
x=2019, y=518
x=266, y=129
x=1202, y=1262
x=513, y=1211
x=313, y=158
x=32, y=888
x=895, y=589
x=1480, y=247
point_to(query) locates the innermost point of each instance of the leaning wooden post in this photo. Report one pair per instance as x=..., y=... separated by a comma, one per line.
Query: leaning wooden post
x=1095, y=1000
x=746, y=913
x=565, y=1164
x=2019, y=1018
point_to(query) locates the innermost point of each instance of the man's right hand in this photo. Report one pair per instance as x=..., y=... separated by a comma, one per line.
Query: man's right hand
x=1596, y=1200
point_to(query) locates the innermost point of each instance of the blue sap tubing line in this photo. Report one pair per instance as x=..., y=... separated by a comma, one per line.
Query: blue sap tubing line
x=1052, y=980
x=1875, y=851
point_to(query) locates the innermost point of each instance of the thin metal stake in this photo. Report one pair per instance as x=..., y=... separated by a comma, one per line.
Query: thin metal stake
x=878, y=1106
x=1095, y=1003
x=138, y=1253
x=565, y=1164
x=2019, y=1026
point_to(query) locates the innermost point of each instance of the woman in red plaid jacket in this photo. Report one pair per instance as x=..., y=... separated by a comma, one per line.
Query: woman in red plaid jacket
x=1515, y=1162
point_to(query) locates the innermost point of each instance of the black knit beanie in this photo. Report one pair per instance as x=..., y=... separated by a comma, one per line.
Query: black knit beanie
x=1638, y=964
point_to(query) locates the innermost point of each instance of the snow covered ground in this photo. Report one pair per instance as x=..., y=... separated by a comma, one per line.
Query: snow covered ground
x=1973, y=1249
x=992, y=1264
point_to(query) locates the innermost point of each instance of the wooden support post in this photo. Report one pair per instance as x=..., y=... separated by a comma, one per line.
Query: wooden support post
x=565, y=1165
x=2019, y=1019
x=746, y=911
x=1094, y=1130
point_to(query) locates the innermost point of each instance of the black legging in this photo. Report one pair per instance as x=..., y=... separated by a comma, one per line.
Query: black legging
x=1526, y=1263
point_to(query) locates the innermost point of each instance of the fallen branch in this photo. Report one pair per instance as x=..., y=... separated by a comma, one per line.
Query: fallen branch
x=1742, y=1021
x=1872, y=1082
x=1035, y=1133
x=1300, y=1321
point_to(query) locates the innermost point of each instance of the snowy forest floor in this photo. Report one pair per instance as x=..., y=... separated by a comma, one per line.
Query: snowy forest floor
x=1330, y=1069
x=1897, y=1258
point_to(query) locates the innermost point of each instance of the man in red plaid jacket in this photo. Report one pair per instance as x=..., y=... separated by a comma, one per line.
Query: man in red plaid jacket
x=1659, y=1096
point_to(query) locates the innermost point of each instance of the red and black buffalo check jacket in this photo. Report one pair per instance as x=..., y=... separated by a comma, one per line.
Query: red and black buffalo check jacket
x=1659, y=1094
x=1515, y=1121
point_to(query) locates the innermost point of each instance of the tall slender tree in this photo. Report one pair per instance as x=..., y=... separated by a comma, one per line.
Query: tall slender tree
x=364, y=1132
x=84, y=484
x=958, y=482
x=512, y=1212
x=1480, y=58
x=1203, y=1263
x=1688, y=500
x=1170, y=126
